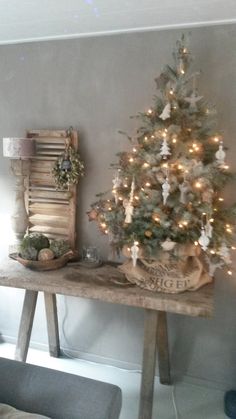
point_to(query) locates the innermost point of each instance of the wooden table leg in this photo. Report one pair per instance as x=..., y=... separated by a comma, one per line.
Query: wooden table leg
x=162, y=348
x=149, y=362
x=26, y=324
x=52, y=324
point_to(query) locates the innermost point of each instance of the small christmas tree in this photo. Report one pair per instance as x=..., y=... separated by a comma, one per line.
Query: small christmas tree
x=167, y=188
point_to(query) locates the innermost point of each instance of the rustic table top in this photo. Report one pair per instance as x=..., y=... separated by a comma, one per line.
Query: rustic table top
x=107, y=284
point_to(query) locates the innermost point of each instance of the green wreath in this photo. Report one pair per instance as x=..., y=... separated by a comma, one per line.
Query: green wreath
x=68, y=169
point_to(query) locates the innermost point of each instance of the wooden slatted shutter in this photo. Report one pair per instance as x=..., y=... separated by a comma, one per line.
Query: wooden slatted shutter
x=51, y=211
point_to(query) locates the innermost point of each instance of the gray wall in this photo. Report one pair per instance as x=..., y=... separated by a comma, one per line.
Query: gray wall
x=95, y=85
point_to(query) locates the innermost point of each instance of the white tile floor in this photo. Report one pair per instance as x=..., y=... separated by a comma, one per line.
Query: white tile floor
x=192, y=402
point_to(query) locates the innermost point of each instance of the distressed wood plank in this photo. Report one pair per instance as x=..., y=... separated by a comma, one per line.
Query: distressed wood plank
x=52, y=324
x=99, y=284
x=149, y=362
x=41, y=179
x=49, y=209
x=49, y=220
x=47, y=133
x=40, y=193
x=49, y=230
x=26, y=324
x=163, y=348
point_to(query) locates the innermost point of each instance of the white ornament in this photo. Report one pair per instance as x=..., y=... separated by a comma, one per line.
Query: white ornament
x=204, y=240
x=168, y=245
x=192, y=100
x=132, y=191
x=225, y=253
x=129, y=210
x=165, y=149
x=213, y=266
x=166, y=112
x=116, y=184
x=184, y=188
x=165, y=190
x=220, y=155
x=116, y=181
x=134, y=253
x=208, y=229
x=197, y=168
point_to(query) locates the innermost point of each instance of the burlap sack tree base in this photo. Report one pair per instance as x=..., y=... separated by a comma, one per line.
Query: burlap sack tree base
x=170, y=273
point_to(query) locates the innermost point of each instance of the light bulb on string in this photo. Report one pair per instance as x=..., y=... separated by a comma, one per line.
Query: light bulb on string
x=198, y=185
x=229, y=272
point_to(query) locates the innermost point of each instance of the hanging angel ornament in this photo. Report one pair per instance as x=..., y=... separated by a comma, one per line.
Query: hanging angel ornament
x=220, y=155
x=184, y=188
x=129, y=210
x=165, y=190
x=192, y=100
x=165, y=149
x=204, y=240
x=134, y=253
x=166, y=112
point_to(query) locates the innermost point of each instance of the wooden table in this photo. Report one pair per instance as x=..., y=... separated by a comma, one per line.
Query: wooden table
x=104, y=284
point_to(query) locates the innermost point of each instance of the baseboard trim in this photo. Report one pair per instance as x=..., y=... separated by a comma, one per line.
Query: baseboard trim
x=177, y=377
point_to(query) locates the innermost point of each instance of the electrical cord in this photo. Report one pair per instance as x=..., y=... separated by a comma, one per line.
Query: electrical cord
x=173, y=395
x=65, y=353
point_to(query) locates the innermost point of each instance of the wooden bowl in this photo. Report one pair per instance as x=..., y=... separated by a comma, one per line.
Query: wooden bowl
x=44, y=265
